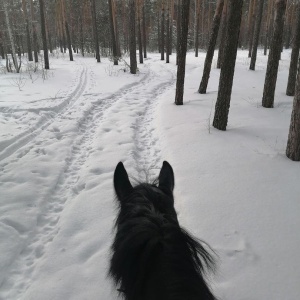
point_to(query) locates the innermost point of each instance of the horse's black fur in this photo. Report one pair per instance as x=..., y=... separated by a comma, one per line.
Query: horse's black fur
x=153, y=258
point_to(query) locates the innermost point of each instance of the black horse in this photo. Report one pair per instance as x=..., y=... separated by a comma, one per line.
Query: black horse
x=153, y=258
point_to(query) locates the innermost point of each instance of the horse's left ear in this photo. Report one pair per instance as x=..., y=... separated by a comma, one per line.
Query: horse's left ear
x=122, y=184
x=166, y=177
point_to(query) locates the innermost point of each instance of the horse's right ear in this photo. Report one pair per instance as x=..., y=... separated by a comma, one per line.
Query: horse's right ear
x=166, y=177
x=122, y=184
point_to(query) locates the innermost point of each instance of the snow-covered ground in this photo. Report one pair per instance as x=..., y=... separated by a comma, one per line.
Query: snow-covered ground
x=61, y=138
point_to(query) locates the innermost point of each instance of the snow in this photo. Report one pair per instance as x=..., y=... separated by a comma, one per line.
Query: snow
x=61, y=138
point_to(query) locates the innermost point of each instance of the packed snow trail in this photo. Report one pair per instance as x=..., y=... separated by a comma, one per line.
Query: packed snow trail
x=126, y=118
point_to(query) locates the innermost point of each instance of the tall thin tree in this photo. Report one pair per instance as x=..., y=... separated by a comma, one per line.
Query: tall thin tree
x=132, y=44
x=274, y=55
x=44, y=36
x=139, y=25
x=34, y=33
x=162, y=32
x=260, y=8
x=227, y=71
x=66, y=24
x=223, y=35
x=24, y=8
x=290, y=90
x=211, y=46
x=95, y=30
x=113, y=32
x=168, y=35
x=293, y=144
x=251, y=25
x=182, y=48
x=144, y=31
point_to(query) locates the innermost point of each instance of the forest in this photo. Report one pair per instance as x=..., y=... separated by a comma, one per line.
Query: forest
x=211, y=86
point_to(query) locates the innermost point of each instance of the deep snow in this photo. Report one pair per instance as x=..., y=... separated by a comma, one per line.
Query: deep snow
x=60, y=140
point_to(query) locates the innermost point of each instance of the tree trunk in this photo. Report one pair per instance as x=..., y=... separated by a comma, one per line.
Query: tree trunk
x=274, y=55
x=65, y=21
x=290, y=90
x=140, y=39
x=162, y=56
x=223, y=35
x=182, y=48
x=44, y=37
x=251, y=26
x=133, y=63
x=24, y=7
x=178, y=28
x=11, y=38
x=197, y=27
x=144, y=32
x=227, y=70
x=260, y=8
x=168, y=37
x=293, y=144
x=112, y=32
x=94, y=20
x=211, y=47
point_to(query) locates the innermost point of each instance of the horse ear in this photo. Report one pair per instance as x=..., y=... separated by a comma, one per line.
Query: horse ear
x=166, y=177
x=122, y=184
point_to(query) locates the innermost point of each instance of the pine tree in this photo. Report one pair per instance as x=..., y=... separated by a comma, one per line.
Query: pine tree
x=260, y=8
x=290, y=90
x=228, y=65
x=211, y=47
x=112, y=32
x=182, y=48
x=293, y=144
x=94, y=20
x=24, y=8
x=132, y=46
x=274, y=55
x=44, y=37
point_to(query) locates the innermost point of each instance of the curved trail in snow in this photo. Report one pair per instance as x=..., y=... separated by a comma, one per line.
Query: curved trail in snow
x=145, y=153
x=9, y=147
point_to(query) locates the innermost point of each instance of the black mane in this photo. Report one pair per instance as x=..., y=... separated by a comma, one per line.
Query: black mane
x=153, y=257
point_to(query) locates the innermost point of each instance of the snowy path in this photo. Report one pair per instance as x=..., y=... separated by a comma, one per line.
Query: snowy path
x=134, y=103
x=48, y=116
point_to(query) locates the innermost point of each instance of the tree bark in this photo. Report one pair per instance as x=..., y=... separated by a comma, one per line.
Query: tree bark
x=65, y=21
x=168, y=37
x=144, y=32
x=34, y=34
x=162, y=56
x=274, y=55
x=24, y=7
x=133, y=63
x=182, y=48
x=112, y=32
x=293, y=144
x=211, y=47
x=94, y=20
x=178, y=28
x=44, y=37
x=140, y=39
x=260, y=8
x=223, y=35
x=197, y=13
x=290, y=90
x=227, y=71
x=251, y=26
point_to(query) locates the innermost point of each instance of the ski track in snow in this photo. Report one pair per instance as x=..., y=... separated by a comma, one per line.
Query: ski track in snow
x=145, y=153
x=50, y=114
